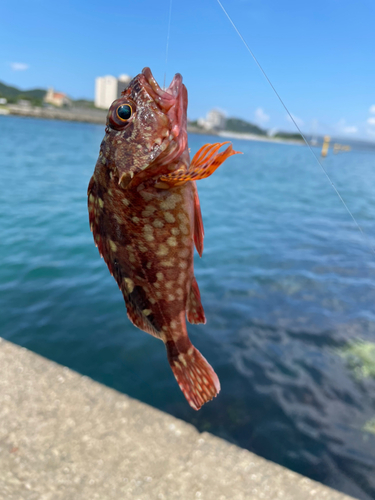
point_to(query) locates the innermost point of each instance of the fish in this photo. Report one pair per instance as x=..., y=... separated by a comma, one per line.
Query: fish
x=145, y=216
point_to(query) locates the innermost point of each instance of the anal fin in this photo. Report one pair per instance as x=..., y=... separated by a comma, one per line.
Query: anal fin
x=194, y=308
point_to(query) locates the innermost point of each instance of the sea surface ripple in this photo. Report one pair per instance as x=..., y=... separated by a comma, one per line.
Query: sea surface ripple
x=286, y=281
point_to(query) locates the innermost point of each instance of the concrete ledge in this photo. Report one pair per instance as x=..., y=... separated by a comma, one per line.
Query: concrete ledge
x=64, y=436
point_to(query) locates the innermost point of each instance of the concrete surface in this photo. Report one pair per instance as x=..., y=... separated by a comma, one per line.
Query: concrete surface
x=64, y=436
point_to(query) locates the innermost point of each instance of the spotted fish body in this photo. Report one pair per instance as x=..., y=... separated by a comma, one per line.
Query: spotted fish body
x=145, y=217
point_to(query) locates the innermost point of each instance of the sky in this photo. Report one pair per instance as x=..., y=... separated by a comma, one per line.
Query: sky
x=319, y=56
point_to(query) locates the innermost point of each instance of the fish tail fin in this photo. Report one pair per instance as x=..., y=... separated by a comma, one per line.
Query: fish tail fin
x=195, y=376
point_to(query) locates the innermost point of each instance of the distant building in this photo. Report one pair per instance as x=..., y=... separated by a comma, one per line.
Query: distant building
x=215, y=120
x=56, y=98
x=3, y=100
x=122, y=83
x=108, y=88
x=24, y=103
x=105, y=91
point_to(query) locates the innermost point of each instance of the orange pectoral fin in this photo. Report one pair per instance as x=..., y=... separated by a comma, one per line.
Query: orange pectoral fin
x=204, y=163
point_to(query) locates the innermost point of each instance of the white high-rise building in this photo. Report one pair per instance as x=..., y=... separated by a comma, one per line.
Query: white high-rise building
x=215, y=120
x=108, y=88
x=122, y=82
x=105, y=91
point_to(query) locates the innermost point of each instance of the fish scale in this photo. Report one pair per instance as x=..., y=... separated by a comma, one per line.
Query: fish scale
x=145, y=216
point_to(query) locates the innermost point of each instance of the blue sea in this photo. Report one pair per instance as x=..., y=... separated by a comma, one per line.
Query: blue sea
x=287, y=283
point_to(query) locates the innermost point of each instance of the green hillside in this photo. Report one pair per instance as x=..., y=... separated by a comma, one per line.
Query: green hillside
x=288, y=135
x=35, y=96
x=13, y=94
x=244, y=127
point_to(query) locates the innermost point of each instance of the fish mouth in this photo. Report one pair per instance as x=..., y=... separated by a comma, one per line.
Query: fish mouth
x=173, y=102
x=164, y=98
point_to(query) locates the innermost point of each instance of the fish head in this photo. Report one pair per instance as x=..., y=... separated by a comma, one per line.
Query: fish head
x=146, y=126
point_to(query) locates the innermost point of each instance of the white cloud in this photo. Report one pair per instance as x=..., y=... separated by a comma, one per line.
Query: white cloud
x=298, y=121
x=261, y=117
x=19, y=66
x=343, y=128
x=371, y=121
x=350, y=130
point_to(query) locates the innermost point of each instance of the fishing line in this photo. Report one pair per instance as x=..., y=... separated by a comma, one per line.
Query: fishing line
x=166, y=49
x=297, y=127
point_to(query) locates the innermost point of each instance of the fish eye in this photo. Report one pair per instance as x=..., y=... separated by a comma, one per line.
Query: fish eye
x=124, y=112
x=121, y=113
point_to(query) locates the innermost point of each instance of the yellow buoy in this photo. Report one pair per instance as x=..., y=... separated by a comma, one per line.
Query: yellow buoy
x=325, y=146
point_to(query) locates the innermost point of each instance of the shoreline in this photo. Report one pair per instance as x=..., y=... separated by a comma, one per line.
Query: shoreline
x=98, y=116
x=261, y=138
x=65, y=114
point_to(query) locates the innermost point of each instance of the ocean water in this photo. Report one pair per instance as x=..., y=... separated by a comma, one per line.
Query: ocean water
x=286, y=281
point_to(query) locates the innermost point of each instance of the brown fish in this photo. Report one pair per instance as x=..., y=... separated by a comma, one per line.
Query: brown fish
x=145, y=216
